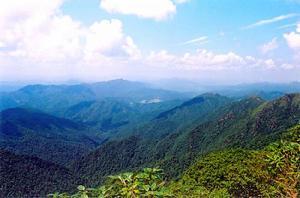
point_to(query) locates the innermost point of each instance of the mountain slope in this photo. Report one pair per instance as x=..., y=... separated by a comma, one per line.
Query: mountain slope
x=239, y=124
x=131, y=90
x=249, y=123
x=38, y=134
x=109, y=115
x=182, y=117
x=142, y=140
x=24, y=176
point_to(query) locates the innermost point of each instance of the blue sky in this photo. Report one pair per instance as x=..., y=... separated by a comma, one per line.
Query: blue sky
x=209, y=40
x=199, y=18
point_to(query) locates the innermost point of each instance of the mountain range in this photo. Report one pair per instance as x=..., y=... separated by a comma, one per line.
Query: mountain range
x=53, y=138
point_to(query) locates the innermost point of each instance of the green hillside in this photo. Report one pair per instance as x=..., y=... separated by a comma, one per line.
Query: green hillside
x=24, y=176
x=239, y=124
x=273, y=171
x=209, y=146
x=54, y=139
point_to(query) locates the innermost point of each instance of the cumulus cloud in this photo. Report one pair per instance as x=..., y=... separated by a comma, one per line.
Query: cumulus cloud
x=154, y=9
x=107, y=38
x=293, y=39
x=39, y=32
x=270, y=46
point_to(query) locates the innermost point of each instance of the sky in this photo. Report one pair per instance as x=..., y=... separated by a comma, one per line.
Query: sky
x=220, y=41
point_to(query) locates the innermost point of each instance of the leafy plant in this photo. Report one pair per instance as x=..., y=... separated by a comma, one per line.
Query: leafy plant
x=284, y=163
x=147, y=183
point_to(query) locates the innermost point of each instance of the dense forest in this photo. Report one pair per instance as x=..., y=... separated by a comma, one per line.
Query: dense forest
x=90, y=140
x=269, y=172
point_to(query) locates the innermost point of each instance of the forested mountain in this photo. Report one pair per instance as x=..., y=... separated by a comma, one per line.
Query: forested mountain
x=54, y=139
x=24, y=176
x=182, y=117
x=96, y=136
x=135, y=91
x=58, y=98
x=112, y=115
x=272, y=171
x=249, y=123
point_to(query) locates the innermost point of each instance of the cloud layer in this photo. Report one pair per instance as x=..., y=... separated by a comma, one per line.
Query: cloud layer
x=204, y=60
x=39, y=32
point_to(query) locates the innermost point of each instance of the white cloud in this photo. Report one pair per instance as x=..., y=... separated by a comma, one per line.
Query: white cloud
x=107, y=38
x=269, y=63
x=287, y=66
x=270, y=46
x=161, y=58
x=270, y=21
x=287, y=26
x=293, y=39
x=202, y=39
x=181, y=1
x=204, y=60
x=37, y=31
x=37, y=40
x=20, y=17
x=154, y=9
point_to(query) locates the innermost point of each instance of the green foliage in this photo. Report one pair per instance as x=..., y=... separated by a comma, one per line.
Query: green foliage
x=240, y=172
x=152, y=143
x=147, y=183
x=283, y=160
x=232, y=171
x=179, y=136
x=24, y=176
x=273, y=171
x=34, y=133
x=185, y=190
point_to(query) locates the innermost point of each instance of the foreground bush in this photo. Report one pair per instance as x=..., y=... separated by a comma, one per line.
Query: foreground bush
x=147, y=183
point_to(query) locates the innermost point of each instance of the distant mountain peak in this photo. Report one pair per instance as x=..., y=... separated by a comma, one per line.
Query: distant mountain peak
x=210, y=98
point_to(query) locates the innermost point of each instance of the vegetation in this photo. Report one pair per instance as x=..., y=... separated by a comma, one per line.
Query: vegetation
x=209, y=146
x=251, y=123
x=112, y=115
x=271, y=172
x=147, y=183
x=283, y=160
x=24, y=176
x=34, y=133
